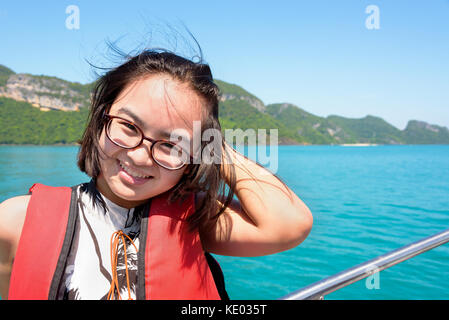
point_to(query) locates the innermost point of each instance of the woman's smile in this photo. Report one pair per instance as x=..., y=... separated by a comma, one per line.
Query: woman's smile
x=130, y=176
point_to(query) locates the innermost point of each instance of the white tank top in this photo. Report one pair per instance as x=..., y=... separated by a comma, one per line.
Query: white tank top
x=88, y=270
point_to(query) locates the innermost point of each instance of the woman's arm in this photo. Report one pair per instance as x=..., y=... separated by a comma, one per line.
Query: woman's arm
x=267, y=218
x=12, y=217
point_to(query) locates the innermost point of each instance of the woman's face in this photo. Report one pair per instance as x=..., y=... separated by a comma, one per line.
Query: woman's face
x=162, y=105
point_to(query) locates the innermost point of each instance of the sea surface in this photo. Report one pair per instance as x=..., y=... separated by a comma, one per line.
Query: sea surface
x=366, y=201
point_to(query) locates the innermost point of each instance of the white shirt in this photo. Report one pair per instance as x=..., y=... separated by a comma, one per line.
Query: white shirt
x=88, y=269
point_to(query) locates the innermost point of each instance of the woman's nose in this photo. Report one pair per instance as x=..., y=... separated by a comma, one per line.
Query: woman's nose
x=141, y=155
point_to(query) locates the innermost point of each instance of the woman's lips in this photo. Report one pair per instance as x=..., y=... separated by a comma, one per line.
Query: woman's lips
x=130, y=179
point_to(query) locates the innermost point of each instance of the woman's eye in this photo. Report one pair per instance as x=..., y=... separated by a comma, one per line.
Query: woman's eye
x=129, y=126
x=167, y=145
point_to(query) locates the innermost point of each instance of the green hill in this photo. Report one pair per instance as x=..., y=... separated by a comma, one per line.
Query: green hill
x=369, y=129
x=4, y=74
x=419, y=132
x=307, y=127
x=20, y=123
x=48, y=110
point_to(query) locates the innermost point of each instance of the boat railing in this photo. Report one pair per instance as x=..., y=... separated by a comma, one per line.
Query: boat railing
x=317, y=290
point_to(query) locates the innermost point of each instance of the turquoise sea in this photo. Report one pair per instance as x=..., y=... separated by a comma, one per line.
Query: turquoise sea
x=365, y=201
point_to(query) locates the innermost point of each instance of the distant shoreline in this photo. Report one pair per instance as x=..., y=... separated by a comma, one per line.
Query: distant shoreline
x=358, y=144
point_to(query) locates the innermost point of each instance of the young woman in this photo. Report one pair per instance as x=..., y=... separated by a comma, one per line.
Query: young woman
x=144, y=226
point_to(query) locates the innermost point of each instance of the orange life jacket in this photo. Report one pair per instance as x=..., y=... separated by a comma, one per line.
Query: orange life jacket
x=171, y=262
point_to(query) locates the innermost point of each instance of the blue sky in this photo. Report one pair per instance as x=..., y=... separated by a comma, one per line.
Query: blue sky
x=318, y=55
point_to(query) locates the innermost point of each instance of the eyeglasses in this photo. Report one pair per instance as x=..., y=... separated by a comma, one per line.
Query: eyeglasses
x=127, y=135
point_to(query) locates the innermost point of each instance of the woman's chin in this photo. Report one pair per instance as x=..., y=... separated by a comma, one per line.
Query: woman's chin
x=130, y=193
x=127, y=199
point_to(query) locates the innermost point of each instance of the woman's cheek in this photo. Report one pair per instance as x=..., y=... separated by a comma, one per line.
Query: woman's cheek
x=104, y=144
x=170, y=179
x=108, y=149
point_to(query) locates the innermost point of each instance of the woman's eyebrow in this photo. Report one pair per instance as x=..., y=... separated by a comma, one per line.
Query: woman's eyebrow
x=135, y=118
x=141, y=124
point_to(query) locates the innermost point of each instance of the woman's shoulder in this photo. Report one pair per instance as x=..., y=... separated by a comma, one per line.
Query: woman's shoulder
x=12, y=217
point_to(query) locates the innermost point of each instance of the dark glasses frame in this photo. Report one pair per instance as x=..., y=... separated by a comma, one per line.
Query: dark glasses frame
x=109, y=118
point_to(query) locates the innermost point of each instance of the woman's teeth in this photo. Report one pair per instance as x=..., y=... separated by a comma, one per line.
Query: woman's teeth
x=132, y=173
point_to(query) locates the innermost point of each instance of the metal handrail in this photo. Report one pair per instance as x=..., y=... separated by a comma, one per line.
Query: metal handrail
x=317, y=290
